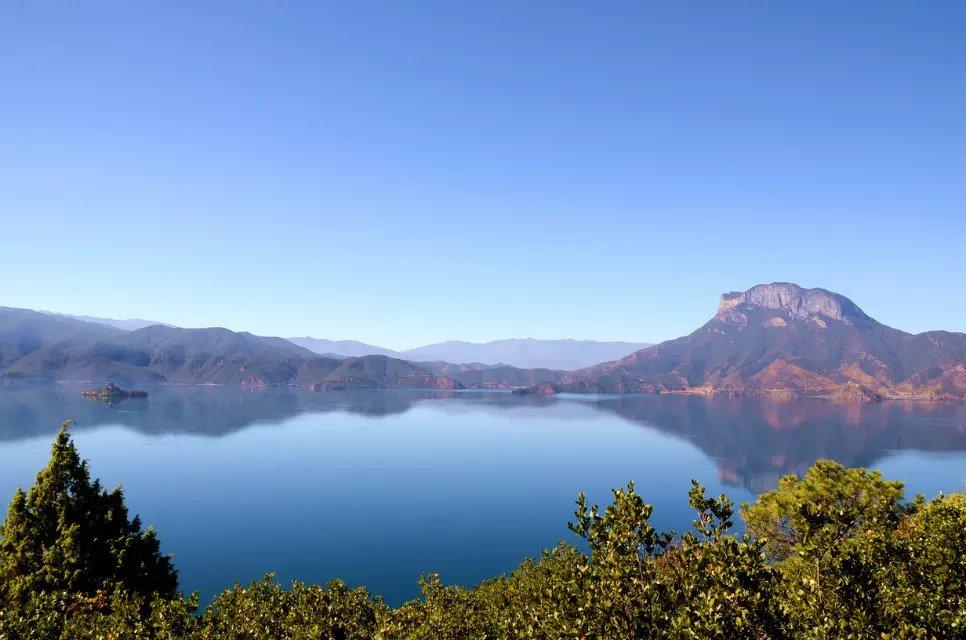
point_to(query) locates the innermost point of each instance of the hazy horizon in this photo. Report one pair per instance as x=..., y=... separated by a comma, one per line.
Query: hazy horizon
x=118, y=322
x=96, y=319
x=407, y=174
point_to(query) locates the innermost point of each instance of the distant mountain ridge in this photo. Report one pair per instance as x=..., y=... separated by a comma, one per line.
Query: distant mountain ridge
x=50, y=346
x=126, y=324
x=779, y=339
x=775, y=339
x=343, y=348
x=523, y=353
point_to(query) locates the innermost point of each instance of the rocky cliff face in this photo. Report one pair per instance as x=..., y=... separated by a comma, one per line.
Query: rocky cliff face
x=792, y=300
x=782, y=340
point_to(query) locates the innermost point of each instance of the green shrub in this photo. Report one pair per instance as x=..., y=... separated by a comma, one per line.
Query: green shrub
x=263, y=610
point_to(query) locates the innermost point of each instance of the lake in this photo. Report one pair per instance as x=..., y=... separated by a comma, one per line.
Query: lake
x=377, y=487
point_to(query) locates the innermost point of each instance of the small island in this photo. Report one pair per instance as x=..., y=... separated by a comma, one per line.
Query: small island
x=113, y=393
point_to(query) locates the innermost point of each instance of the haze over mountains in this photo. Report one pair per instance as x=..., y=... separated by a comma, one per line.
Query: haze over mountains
x=341, y=348
x=526, y=353
x=127, y=324
x=776, y=340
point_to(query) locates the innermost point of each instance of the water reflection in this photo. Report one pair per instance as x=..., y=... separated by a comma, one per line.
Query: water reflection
x=752, y=441
x=377, y=487
x=755, y=441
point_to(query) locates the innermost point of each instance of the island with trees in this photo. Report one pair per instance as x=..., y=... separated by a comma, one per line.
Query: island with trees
x=113, y=393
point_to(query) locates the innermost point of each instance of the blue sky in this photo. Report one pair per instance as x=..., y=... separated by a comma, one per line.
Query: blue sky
x=404, y=173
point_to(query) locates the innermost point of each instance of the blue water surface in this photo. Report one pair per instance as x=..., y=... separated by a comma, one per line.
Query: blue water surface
x=377, y=487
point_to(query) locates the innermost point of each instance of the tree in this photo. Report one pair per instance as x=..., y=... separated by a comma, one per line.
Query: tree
x=719, y=585
x=622, y=597
x=834, y=533
x=68, y=534
x=926, y=589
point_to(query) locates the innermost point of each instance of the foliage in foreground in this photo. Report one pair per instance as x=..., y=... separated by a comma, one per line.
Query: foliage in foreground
x=838, y=553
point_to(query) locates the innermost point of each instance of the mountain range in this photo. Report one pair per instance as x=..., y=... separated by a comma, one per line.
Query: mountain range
x=41, y=346
x=782, y=340
x=525, y=353
x=775, y=339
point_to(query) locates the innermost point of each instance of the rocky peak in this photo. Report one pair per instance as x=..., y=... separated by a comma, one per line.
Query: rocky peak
x=794, y=301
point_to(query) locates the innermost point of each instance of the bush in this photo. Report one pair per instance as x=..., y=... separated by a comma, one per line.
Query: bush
x=265, y=611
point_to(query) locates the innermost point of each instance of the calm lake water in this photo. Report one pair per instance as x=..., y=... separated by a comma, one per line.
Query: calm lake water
x=378, y=486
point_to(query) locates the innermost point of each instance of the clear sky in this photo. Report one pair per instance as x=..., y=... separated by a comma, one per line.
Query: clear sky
x=408, y=172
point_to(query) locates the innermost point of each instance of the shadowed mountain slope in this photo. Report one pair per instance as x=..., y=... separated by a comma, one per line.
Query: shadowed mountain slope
x=23, y=332
x=484, y=376
x=382, y=372
x=43, y=347
x=167, y=354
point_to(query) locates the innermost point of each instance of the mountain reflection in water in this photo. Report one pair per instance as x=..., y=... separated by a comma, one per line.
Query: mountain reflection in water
x=755, y=441
x=752, y=441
